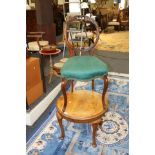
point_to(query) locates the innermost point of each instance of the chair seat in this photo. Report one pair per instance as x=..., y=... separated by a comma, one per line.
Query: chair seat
x=33, y=46
x=83, y=68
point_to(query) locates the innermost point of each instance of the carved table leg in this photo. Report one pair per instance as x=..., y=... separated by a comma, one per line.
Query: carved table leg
x=104, y=90
x=94, y=134
x=59, y=117
x=50, y=75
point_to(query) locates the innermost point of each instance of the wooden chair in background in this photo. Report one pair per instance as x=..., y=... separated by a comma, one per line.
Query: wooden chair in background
x=124, y=19
x=113, y=19
x=35, y=41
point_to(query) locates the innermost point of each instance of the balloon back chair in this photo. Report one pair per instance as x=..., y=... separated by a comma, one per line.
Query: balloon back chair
x=82, y=106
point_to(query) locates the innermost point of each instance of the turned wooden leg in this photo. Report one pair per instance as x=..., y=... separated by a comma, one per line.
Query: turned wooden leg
x=94, y=134
x=51, y=69
x=63, y=88
x=92, y=84
x=72, y=85
x=104, y=90
x=50, y=74
x=59, y=117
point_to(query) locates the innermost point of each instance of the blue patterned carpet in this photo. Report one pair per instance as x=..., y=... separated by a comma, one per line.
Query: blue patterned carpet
x=112, y=137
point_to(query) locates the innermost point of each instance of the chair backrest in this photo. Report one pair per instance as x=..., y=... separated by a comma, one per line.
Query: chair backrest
x=76, y=36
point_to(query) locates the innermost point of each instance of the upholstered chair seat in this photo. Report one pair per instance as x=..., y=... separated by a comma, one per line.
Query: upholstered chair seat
x=83, y=68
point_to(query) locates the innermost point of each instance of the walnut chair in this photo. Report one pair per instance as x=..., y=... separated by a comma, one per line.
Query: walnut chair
x=82, y=106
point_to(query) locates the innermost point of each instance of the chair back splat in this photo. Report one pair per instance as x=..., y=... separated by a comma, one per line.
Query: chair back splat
x=78, y=38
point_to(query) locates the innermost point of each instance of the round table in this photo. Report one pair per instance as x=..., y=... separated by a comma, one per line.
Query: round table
x=50, y=51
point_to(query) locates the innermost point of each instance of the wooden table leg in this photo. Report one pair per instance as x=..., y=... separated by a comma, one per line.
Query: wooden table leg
x=59, y=117
x=51, y=69
x=50, y=75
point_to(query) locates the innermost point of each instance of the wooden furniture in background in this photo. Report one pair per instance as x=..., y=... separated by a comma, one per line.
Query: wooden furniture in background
x=35, y=41
x=50, y=32
x=32, y=25
x=50, y=51
x=115, y=17
x=34, y=85
x=124, y=18
x=31, y=21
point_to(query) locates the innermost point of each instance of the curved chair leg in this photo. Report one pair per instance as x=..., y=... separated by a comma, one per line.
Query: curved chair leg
x=93, y=84
x=100, y=123
x=72, y=85
x=63, y=88
x=104, y=90
x=59, y=117
x=94, y=126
